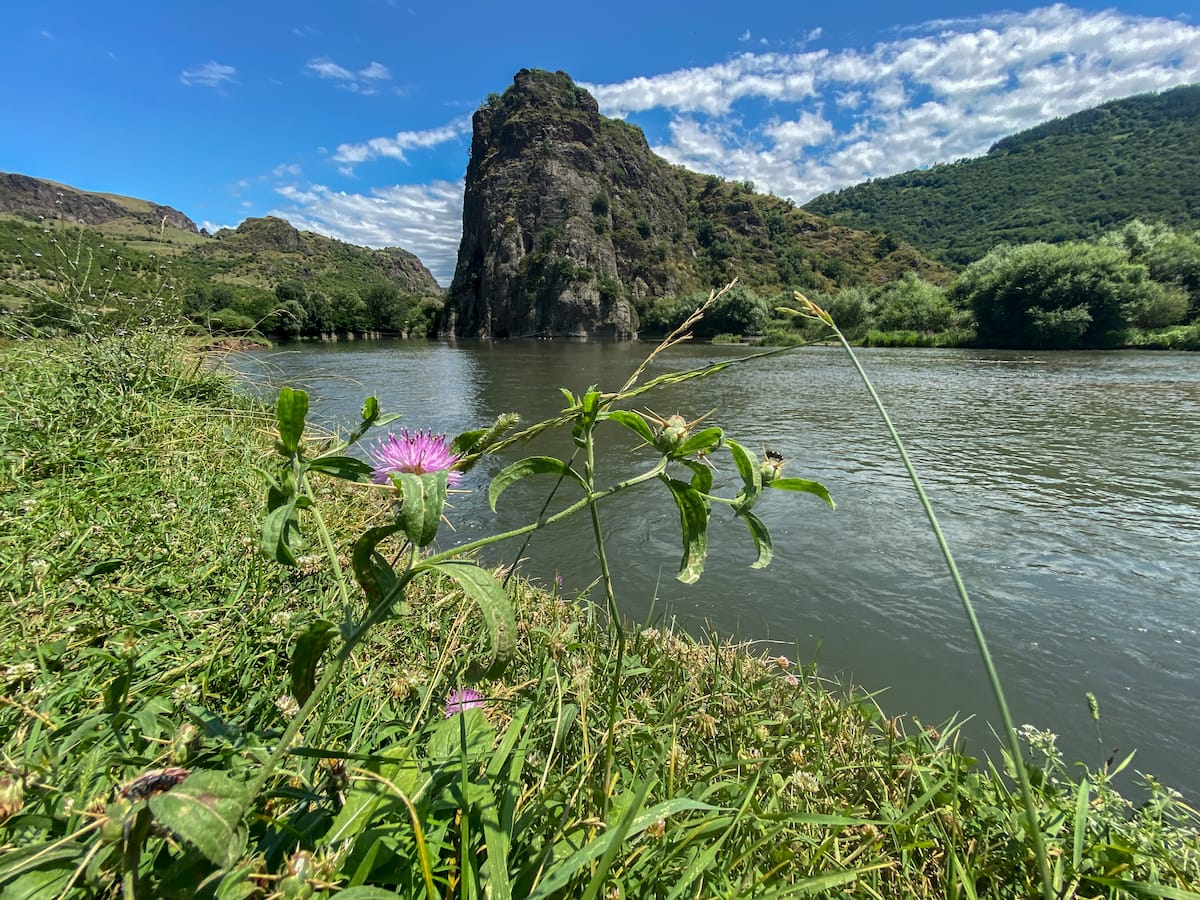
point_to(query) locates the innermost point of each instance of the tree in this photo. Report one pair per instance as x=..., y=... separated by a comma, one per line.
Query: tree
x=1054, y=295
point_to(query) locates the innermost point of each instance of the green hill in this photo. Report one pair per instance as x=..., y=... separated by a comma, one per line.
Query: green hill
x=66, y=252
x=1067, y=179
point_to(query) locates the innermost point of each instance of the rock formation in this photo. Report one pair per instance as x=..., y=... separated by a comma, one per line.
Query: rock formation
x=571, y=226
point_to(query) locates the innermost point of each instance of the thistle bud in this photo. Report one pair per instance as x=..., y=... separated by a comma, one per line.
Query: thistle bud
x=672, y=434
x=771, y=467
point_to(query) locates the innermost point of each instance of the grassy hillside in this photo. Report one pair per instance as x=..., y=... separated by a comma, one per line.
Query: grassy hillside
x=1068, y=179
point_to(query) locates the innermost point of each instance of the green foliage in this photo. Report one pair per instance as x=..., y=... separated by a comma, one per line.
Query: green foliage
x=912, y=304
x=268, y=280
x=1060, y=296
x=1066, y=180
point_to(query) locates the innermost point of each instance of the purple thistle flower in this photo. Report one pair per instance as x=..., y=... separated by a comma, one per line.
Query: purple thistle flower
x=461, y=700
x=418, y=452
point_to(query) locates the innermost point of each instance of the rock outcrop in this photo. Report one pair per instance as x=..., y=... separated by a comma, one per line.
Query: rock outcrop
x=572, y=226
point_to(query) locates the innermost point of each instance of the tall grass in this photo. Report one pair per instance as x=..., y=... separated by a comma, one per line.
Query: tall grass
x=145, y=638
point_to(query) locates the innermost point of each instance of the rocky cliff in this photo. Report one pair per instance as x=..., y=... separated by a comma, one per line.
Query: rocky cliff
x=571, y=226
x=24, y=195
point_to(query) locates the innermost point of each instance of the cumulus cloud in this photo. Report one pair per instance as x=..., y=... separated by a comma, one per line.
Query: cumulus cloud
x=425, y=219
x=940, y=92
x=211, y=74
x=802, y=123
x=364, y=81
x=394, y=147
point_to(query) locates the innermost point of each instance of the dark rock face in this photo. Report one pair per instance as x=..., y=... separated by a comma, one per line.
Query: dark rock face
x=24, y=195
x=571, y=226
x=532, y=262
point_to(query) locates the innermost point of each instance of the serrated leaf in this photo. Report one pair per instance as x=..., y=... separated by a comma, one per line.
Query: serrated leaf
x=803, y=485
x=747, y=466
x=693, y=520
x=633, y=421
x=310, y=645
x=424, y=498
x=492, y=600
x=204, y=811
x=705, y=439
x=762, y=538
x=523, y=468
x=345, y=467
x=290, y=411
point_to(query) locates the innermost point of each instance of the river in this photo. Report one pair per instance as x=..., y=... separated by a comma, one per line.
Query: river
x=1065, y=483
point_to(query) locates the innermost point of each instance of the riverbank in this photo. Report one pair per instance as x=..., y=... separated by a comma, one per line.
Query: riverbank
x=145, y=634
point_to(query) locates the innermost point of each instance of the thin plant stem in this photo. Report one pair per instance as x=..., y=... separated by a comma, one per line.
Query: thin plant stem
x=1014, y=746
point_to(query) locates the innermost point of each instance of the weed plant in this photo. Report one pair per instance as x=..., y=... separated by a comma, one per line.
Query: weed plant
x=159, y=736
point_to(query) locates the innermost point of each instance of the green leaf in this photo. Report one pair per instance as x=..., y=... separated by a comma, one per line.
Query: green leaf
x=703, y=440
x=702, y=475
x=366, y=796
x=204, y=811
x=1141, y=889
x=523, y=468
x=373, y=573
x=281, y=532
x=310, y=644
x=492, y=599
x=802, y=484
x=424, y=497
x=635, y=422
x=366, y=892
x=747, y=466
x=560, y=874
x=693, y=519
x=344, y=467
x=761, y=536
x=466, y=732
x=291, y=410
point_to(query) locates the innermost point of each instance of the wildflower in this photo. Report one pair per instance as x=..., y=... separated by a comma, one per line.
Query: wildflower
x=783, y=662
x=461, y=700
x=418, y=453
x=656, y=830
x=791, y=680
x=804, y=781
x=706, y=724
x=287, y=705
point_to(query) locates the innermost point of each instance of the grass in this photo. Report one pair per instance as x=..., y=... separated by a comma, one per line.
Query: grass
x=144, y=633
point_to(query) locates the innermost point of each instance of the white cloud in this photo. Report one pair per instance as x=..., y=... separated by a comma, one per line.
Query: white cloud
x=288, y=170
x=425, y=219
x=940, y=92
x=211, y=74
x=364, y=81
x=395, y=147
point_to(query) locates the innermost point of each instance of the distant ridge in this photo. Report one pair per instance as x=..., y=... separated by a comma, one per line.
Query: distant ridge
x=1067, y=179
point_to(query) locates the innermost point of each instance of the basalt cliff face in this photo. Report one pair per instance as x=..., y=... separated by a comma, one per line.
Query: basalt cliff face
x=572, y=226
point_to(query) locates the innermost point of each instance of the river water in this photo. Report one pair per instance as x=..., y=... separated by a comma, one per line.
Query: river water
x=1065, y=483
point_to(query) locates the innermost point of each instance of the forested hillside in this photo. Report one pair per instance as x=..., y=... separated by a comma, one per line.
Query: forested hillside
x=1067, y=179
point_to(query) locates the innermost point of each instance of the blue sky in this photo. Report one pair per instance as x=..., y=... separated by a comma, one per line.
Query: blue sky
x=353, y=118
